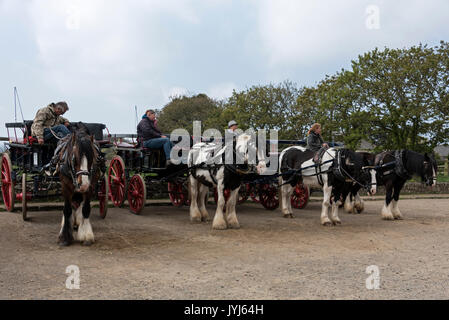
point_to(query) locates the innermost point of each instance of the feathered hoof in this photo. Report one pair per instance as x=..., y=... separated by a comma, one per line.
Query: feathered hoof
x=219, y=226
x=327, y=224
x=289, y=216
x=205, y=219
x=387, y=218
x=336, y=223
x=398, y=217
x=234, y=226
x=87, y=243
x=196, y=220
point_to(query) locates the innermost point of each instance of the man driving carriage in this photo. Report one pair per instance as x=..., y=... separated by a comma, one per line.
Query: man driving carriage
x=49, y=123
x=149, y=135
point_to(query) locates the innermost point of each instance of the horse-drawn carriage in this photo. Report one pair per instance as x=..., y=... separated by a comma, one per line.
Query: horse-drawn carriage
x=136, y=173
x=22, y=168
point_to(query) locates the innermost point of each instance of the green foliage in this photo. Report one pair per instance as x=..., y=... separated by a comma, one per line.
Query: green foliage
x=180, y=112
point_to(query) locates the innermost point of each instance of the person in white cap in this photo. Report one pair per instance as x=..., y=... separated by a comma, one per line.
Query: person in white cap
x=232, y=126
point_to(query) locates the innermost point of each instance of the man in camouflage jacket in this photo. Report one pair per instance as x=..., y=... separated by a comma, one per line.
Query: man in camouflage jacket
x=49, y=122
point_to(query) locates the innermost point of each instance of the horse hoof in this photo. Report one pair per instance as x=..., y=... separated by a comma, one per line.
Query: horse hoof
x=327, y=224
x=289, y=216
x=398, y=218
x=205, y=219
x=336, y=223
x=220, y=227
x=87, y=243
x=234, y=226
x=195, y=220
x=63, y=243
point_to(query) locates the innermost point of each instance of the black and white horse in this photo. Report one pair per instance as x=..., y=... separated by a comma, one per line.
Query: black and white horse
x=394, y=168
x=353, y=203
x=333, y=170
x=79, y=172
x=209, y=169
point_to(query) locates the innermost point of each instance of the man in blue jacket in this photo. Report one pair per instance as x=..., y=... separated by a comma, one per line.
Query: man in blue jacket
x=151, y=137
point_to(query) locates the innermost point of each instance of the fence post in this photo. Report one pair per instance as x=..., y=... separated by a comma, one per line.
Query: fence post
x=446, y=167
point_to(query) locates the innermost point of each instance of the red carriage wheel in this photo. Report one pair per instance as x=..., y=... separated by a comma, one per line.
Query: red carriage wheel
x=300, y=196
x=117, y=181
x=253, y=193
x=176, y=193
x=8, y=192
x=137, y=194
x=268, y=195
x=103, y=198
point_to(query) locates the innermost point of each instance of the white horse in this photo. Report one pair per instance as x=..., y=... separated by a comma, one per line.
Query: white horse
x=209, y=169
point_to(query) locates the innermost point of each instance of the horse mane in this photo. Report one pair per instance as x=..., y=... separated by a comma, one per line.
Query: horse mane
x=82, y=138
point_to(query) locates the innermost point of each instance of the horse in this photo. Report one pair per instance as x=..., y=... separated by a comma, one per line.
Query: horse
x=353, y=203
x=394, y=168
x=209, y=170
x=332, y=171
x=79, y=171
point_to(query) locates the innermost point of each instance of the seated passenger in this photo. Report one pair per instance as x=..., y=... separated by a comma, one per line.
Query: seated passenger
x=151, y=137
x=315, y=142
x=49, y=122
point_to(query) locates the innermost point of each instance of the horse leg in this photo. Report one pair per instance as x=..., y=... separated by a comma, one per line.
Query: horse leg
x=349, y=205
x=395, y=209
x=327, y=193
x=195, y=214
x=386, y=210
x=66, y=233
x=219, y=222
x=286, y=193
x=231, y=215
x=202, y=198
x=359, y=205
x=85, y=233
x=334, y=210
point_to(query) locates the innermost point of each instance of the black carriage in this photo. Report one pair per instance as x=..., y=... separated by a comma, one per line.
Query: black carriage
x=22, y=175
x=137, y=173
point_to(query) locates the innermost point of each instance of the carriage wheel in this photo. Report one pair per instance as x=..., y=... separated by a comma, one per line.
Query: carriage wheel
x=176, y=193
x=268, y=195
x=103, y=192
x=300, y=196
x=8, y=192
x=254, y=193
x=137, y=194
x=117, y=181
x=24, y=197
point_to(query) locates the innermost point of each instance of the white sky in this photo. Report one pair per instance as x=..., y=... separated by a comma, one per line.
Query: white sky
x=105, y=56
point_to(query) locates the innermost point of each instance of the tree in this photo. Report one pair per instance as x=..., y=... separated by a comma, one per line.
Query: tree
x=264, y=107
x=406, y=92
x=181, y=111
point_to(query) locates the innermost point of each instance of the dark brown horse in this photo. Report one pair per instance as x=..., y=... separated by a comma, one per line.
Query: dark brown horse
x=79, y=173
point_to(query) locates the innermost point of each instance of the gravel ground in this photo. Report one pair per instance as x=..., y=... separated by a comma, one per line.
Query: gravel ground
x=161, y=255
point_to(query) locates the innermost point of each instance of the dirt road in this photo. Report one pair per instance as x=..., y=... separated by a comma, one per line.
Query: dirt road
x=160, y=255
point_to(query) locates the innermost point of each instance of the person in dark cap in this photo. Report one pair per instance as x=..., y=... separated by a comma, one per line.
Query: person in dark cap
x=149, y=135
